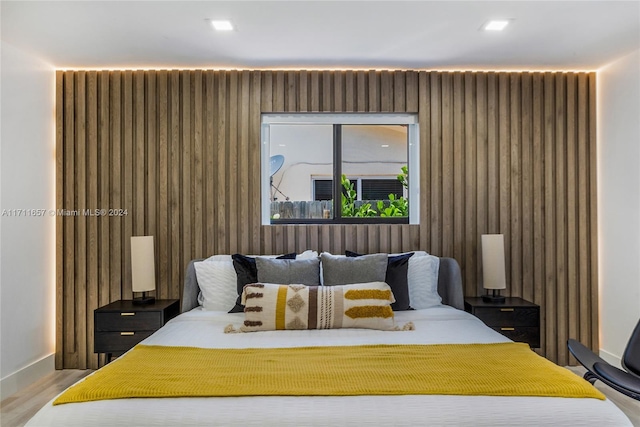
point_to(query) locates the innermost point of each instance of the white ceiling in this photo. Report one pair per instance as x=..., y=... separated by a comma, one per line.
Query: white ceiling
x=544, y=35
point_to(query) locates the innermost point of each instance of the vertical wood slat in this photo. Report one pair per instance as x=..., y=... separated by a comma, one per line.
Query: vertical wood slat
x=187, y=155
x=572, y=200
x=487, y=166
x=424, y=121
x=470, y=279
x=435, y=198
x=504, y=169
x=66, y=231
x=127, y=180
x=538, y=194
x=489, y=152
x=510, y=153
x=175, y=171
x=198, y=182
x=92, y=203
x=562, y=325
x=446, y=152
x=151, y=144
x=210, y=157
x=255, y=213
x=61, y=331
x=139, y=154
x=221, y=167
x=243, y=162
x=550, y=308
x=458, y=169
x=232, y=143
x=104, y=145
x=81, y=221
x=162, y=240
x=515, y=180
x=593, y=212
x=528, y=200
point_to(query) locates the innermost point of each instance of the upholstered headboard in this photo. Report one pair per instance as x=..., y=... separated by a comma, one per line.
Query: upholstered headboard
x=449, y=285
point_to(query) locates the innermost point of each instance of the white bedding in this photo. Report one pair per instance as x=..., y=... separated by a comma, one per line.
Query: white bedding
x=434, y=325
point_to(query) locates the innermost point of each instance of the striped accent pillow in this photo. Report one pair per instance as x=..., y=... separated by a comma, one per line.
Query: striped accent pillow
x=270, y=307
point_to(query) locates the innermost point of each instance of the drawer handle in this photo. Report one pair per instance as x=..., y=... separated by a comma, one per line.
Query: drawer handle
x=507, y=329
x=506, y=309
x=127, y=314
x=127, y=333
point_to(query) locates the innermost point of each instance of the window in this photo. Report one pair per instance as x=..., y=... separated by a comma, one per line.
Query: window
x=369, y=160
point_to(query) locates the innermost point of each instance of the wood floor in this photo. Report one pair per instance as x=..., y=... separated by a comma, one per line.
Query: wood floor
x=16, y=410
x=629, y=406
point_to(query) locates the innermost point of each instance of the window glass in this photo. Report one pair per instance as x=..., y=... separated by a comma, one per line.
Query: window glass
x=298, y=152
x=377, y=154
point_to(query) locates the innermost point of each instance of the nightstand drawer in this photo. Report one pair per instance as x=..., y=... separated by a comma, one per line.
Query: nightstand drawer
x=113, y=342
x=529, y=335
x=120, y=325
x=515, y=318
x=128, y=321
x=508, y=316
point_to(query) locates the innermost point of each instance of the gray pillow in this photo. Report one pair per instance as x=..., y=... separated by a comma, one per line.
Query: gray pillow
x=289, y=271
x=346, y=271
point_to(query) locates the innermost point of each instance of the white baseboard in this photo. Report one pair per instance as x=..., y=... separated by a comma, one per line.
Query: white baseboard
x=26, y=376
x=611, y=358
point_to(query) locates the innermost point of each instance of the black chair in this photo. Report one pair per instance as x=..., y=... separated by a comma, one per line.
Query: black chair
x=626, y=382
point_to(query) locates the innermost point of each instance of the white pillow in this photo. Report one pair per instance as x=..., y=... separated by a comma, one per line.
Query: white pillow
x=308, y=254
x=219, y=258
x=217, y=281
x=422, y=277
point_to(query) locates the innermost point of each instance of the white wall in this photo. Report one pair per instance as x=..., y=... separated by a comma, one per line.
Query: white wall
x=618, y=88
x=27, y=249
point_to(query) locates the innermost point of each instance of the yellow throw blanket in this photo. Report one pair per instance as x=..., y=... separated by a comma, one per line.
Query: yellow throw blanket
x=506, y=369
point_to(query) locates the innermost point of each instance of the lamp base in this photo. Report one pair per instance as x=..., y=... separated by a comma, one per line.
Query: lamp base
x=144, y=300
x=496, y=299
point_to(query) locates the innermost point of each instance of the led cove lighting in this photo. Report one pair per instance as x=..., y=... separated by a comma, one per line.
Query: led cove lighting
x=222, y=25
x=497, y=25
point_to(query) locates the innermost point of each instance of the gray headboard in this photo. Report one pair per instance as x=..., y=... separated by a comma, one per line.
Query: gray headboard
x=449, y=285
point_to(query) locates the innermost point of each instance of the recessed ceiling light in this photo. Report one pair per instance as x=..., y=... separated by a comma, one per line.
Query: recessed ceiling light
x=222, y=25
x=282, y=145
x=496, y=25
x=385, y=146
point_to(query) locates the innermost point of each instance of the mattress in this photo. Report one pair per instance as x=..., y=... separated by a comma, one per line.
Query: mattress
x=438, y=325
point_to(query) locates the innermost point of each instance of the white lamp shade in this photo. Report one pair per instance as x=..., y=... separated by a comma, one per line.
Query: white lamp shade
x=143, y=268
x=493, y=268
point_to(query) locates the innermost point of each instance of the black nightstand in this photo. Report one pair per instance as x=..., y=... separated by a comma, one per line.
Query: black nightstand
x=121, y=325
x=516, y=319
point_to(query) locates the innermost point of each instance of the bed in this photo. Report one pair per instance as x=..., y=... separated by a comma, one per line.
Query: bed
x=444, y=323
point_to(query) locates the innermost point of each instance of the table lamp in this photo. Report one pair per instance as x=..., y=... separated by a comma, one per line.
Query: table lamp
x=493, y=268
x=143, y=268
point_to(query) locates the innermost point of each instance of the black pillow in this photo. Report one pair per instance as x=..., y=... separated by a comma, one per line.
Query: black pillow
x=247, y=272
x=396, y=278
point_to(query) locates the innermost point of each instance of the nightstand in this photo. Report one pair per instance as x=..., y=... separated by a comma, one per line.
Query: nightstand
x=516, y=319
x=121, y=325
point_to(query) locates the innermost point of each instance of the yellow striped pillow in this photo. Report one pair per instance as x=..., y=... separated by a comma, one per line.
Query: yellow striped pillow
x=271, y=307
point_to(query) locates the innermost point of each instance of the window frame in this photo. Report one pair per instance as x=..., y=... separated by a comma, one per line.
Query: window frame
x=413, y=161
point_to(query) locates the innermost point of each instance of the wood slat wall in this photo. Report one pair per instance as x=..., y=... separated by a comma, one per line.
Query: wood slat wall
x=510, y=153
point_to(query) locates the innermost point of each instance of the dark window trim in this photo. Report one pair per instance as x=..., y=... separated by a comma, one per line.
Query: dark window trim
x=343, y=220
x=337, y=171
x=337, y=189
